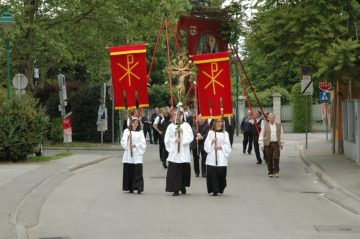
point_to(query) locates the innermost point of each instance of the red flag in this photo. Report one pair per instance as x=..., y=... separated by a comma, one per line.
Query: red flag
x=214, y=84
x=128, y=66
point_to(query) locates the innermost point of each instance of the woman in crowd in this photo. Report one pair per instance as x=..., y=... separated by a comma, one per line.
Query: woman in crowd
x=133, y=141
x=218, y=148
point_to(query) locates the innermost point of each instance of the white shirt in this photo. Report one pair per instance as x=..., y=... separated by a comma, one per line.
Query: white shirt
x=157, y=119
x=171, y=146
x=137, y=138
x=222, y=139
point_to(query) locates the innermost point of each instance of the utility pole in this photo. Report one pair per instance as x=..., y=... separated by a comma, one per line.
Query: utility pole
x=102, y=113
x=62, y=105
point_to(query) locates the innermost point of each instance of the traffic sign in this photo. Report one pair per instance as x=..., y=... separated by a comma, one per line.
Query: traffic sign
x=324, y=85
x=324, y=97
x=306, y=86
x=20, y=81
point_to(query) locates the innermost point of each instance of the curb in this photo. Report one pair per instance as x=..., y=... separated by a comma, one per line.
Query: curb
x=85, y=148
x=74, y=167
x=21, y=230
x=337, y=194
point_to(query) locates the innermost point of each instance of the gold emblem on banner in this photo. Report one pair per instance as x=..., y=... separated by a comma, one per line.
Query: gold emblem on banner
x=215, y=72
x=128, y=70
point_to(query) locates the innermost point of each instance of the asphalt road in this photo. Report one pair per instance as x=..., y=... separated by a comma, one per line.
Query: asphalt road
x=91, y=204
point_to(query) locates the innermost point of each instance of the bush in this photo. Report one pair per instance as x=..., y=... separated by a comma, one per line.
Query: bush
x=299, y=105
x=55, y=132
x=22, y=127
x=265, y=97
x=84, y=106
x=159, y=96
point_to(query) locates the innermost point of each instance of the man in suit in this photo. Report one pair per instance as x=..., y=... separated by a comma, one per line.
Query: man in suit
x=229, y=123
x=197, y=146
x=247, y=129
x=155, y=132
x=147, y=127
x=256, y=131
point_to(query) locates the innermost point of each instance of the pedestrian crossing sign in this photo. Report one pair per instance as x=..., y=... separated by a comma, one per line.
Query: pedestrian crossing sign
x=324, y=97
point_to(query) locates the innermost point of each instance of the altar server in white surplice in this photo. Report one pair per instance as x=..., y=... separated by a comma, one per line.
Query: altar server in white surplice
x=133, y=141
x=177, y=141
x=218, y=147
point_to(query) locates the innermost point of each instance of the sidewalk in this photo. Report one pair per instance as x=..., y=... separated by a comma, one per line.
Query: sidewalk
x=339, y=173
x=24, y=188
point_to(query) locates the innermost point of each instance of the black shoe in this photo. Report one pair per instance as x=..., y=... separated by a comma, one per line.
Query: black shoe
x=214, y=194
x=139, y=191
x=204, y=175
x=183, y=191
x=258, y=162
x=249, y=152
x=151, y=142
x=243, y=151
x=131, y=191
x=197, y=175
x=176, y=194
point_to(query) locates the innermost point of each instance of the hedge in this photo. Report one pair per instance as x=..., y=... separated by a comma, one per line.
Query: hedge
x=22, y=127
x=299, y=105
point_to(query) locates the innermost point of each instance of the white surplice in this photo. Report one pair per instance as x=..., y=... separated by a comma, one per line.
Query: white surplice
x=138, y=139
x=186, y=137
x=222, y=139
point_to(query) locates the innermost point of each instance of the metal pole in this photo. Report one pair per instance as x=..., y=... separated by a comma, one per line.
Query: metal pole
x=112, y=122
x=102, y=137
x=120, y=125
x=306, y=123
x=333, y=123
x=237, y=105
x=7, y=46
x=327, y=123
x=63, y=113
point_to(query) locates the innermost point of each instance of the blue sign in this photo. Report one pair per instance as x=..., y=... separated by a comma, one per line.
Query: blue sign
x=324, y=97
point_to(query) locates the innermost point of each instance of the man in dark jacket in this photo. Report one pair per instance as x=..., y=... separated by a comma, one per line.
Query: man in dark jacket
x=147, y=126
x=256, y=131
x=162, y=126
x=197, y=146
x=155, y=132
x=229, y=123
x=247, y=128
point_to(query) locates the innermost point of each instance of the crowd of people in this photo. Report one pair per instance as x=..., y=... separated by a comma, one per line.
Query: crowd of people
x=183, y=137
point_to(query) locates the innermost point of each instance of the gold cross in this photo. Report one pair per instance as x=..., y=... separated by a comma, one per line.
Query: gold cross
x=128, y=73
x=213, y=81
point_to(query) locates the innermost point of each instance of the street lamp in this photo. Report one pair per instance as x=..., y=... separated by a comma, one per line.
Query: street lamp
x=6, y=22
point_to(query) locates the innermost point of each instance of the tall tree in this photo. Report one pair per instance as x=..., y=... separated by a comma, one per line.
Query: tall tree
x=72, y=35
x=288, y=34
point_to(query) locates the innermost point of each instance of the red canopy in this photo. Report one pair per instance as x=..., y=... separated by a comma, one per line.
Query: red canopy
x=202, y=34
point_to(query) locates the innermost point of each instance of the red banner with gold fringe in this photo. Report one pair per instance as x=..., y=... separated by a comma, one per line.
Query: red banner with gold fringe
x=214, y=84
x=128, y=66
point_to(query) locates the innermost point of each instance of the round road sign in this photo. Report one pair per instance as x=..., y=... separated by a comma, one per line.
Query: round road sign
x=20, y=81
x=325, y=86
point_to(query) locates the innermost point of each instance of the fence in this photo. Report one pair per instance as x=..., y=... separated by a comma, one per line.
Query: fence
x=287, y=117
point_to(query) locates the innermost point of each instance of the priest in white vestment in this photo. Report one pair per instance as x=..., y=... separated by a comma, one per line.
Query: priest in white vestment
x=177, y=141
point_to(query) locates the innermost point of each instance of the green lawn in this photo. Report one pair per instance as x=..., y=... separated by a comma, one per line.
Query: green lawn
x=49, y=158
x=80, y=144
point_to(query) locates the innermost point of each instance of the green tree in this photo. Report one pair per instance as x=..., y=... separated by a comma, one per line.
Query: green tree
x=72, y=36
x=159, y=96
x=23, y=126
x=286, y=35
